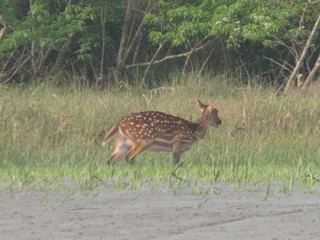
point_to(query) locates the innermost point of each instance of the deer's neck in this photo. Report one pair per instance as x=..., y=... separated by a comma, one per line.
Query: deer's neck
x=202, y=126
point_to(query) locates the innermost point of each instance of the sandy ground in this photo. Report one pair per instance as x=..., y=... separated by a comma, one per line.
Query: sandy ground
x=144, y=214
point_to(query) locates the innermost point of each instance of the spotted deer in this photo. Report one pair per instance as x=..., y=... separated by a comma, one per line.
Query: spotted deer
x=157, y=131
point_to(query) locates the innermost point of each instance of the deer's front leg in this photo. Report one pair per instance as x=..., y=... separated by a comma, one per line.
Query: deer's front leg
x=177, y=152
x=177, y=157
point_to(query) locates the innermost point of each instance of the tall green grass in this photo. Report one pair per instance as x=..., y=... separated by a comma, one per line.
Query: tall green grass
x=50, y=134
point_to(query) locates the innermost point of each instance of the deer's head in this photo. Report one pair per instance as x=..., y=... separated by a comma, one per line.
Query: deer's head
x=210, y=113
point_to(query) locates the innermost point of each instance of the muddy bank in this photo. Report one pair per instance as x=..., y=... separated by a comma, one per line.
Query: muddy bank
x=226, y=213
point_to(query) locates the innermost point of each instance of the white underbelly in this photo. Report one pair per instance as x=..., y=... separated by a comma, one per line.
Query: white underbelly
x=160, y=145
x=157, y=148
x=166, y=146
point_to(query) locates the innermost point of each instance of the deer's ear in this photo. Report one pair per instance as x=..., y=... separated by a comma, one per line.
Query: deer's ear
x=214, y=104
x=201, y=105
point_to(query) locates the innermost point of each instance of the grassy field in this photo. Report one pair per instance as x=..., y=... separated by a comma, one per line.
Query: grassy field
x=50, y=134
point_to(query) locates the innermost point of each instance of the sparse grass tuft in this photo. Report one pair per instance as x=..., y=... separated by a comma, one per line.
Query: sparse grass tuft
x=48, y=134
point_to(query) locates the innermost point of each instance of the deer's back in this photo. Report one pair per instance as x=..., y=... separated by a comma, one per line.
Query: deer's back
x=151, y=125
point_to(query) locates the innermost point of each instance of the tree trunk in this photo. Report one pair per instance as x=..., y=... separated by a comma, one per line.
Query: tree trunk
x=206, y=61
x=62, y=51
x=124, y=35
x=115, y=72
x=33, y=48
x=302, y=57
x=60, y=57
x=312, y=74
x=136, y=51
x=102, y=61
x=137, y=35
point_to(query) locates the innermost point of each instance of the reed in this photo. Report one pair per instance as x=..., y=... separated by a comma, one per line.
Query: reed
x=50, y=134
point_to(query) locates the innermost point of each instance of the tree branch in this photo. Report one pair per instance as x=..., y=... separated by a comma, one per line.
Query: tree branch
x=185, y=54
x=137, y=33
x=151, y=62
x=17, y=70
x=302, y=56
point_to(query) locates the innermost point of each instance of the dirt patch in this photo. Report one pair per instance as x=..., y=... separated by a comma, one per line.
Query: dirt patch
x=144, y=214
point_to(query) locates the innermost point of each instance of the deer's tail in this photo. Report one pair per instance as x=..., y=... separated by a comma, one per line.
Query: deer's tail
x=110, y=134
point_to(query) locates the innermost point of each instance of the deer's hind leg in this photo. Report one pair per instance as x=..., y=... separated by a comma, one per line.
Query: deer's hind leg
x=134, y=151
x=121, y=149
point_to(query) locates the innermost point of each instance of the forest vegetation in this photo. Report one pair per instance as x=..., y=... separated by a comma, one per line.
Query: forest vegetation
x=104, y=42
